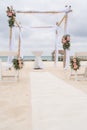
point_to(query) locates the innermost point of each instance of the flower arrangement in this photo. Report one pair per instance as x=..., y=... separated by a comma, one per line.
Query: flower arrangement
x=11, y=14
x=75, y=63
x=18, y=63
x=66, y=41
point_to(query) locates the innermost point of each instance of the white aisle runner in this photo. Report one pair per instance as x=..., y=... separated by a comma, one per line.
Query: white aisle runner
x=56, y=105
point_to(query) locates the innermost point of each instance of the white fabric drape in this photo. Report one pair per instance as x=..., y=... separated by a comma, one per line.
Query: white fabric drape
x=12, y=44
x=67, y=61
x=11, y=48
x=56, y=44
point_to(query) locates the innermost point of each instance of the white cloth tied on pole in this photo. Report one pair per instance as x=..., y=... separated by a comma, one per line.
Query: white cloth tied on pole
x=57, y=43
x=67, y=62
x=11, y=48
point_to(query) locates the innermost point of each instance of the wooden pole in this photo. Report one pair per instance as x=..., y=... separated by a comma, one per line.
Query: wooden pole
x=10, y=37
x=19, y=44
x=59, y=23
x=65, y=25
x=64, y=59
x=65, y=31
x=56, y=48
x=19, y=40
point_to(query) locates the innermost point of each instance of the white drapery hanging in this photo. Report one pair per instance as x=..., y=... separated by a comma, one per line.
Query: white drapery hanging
x=67, y=62
x=66, y=11
x=11, y=48
x=67, y=57
x=56, y=44
x=12, y=45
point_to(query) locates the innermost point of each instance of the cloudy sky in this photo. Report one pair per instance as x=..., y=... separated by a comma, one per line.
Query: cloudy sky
x=44, y=39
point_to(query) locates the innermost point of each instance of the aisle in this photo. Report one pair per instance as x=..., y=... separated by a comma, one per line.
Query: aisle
x=56, y=105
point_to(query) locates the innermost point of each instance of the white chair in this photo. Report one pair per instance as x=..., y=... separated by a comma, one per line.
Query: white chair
x=77, y=74
x=6, y=74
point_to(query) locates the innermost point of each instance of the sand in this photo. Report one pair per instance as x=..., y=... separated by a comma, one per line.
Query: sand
x=15, y=97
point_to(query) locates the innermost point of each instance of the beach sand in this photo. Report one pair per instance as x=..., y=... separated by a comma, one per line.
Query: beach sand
x=15, y=97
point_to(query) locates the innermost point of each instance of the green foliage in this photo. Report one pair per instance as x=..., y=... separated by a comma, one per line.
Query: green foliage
x=18, y=63
x=11, y=15
x=75, y=63
x=66, y=46
x=66, y=41
x=11, y=21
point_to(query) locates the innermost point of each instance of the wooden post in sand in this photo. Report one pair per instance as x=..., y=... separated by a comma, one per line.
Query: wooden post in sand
x=10, y=38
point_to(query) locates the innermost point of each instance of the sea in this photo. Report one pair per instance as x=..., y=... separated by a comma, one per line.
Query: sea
x=44, y=58
x=29, y=58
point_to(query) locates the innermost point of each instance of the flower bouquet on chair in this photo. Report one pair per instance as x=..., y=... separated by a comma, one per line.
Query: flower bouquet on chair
x=18, y=63
x=75, y=63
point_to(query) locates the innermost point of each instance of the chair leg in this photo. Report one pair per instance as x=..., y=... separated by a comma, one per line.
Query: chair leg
x=85, y=73
x=17, y=75
x=0, y=70
x=76, y=77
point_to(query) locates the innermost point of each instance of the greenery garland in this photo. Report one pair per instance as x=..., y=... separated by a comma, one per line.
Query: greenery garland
x=18, y=63
x=66, y=41
x=11, y=15
x=75, y=63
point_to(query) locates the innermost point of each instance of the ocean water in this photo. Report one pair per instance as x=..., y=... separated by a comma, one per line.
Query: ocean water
x=29, y=58
x=44, y=58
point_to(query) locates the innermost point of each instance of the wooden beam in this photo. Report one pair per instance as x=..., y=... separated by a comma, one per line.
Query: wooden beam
x=42, y=12
x=42, y=27
x=65, y=25
x=59, y=23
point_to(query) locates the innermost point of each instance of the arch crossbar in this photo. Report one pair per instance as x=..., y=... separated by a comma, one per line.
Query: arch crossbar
x=67, y=10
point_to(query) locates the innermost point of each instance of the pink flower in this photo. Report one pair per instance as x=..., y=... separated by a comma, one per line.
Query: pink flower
x=74, y=60
x=63, y=41
x=20, y=63
x=68, y=38
x=9, y=14
x=75, y=67
x=13, y=12
x=74, y=64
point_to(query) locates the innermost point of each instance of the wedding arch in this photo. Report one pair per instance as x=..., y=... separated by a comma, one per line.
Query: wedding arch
x=64, y=19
